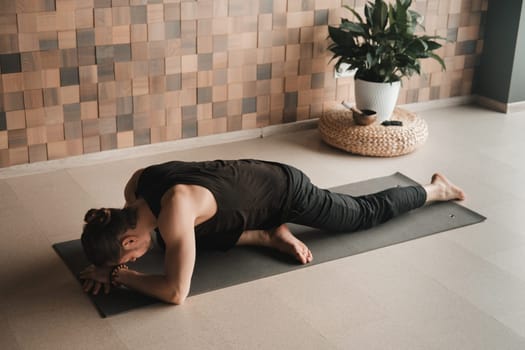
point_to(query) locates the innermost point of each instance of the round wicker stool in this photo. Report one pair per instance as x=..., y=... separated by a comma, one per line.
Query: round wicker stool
x=337, y=128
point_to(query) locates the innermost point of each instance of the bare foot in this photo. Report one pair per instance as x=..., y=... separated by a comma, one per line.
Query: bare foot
x=441, y=189
x=283, y=240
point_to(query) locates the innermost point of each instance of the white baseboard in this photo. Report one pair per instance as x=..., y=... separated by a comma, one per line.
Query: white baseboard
x=435, y=104
x=507, y=108
x=516, y=107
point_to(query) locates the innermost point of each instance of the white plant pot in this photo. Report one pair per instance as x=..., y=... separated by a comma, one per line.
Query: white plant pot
x=379, y=97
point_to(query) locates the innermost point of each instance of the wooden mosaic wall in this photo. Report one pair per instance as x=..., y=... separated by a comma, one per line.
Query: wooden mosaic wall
x=82, y=76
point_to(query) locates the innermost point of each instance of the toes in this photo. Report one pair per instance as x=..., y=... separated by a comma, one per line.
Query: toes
x=305, y=255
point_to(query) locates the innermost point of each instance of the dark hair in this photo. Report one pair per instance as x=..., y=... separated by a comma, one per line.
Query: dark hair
x=102, y=230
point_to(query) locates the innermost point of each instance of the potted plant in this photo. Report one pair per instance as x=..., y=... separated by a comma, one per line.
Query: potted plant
x=382, y=48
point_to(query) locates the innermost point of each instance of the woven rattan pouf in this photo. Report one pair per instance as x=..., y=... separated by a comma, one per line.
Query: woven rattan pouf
x=338, y=129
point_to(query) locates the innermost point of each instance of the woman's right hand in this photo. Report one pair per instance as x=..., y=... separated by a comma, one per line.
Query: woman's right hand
x=95, y=278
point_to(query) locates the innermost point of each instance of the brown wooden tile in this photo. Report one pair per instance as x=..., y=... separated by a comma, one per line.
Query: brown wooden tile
x=89, y=110
x=52, y=96
x=73, y=130
x=66, y=21
x=141, y=103
x=50, y=59
x=140, y=86
x=155, y=13
x=219, y=93
x=141, y=137
x=33, y=80
x=67, y=39
x=105, y=71
x=91, y=144
x=123, y=71
x=9, y=43
x=18, y=156
x=15, y=120
x=85, y=37
x=84, y=18
x=88, y=92
x=125, y=139
x=204, y=78
x=11, y=63
x=71, y=112
x=45, y=22
x=121, y=15
x=57, y=150
x=140, y=69
x=157, y=102
x=103, y=17
x=36, y=135
x=35, y=117
x=263, y=87
x=107, y=91
x=107, y=125
x=30, y=61
x=17, y=138
x=139, y=33
x=156, y=31
x=123, y=88
x=27, y=23
x=219, y=109
x=157, y=84
x=70, y=94
x=138, y=14
x=156, y=67
x=37, y=153
x=108, y=141
x=156, y=50
x=86, y=56
x=13, y=101
x=47, y=40
x=141, y=120
x=121, y=34
x=107, y=109
x=157, y=118
x=103, y=36
x=13, y=82
x=55, y=133
x=88, y=74
x=33, y=98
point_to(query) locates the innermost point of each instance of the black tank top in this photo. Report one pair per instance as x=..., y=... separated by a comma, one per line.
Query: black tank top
x=250, y=194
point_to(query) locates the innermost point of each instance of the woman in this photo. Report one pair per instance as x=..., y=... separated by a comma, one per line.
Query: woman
x=220, y=204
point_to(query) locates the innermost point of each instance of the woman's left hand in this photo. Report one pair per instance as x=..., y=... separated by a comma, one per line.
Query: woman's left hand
x=96, y=278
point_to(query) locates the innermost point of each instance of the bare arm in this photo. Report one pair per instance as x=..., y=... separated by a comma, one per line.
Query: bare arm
x=180, y=209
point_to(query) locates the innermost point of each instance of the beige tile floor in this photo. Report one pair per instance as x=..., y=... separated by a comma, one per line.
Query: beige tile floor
x=461, y=289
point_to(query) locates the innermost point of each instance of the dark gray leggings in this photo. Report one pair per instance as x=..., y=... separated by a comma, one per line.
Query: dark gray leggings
x=315, y=207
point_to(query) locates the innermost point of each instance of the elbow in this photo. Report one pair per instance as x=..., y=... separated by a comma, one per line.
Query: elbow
x=177, y=299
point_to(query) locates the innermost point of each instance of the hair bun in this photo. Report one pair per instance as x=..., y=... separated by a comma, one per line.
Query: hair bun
x=100, y=216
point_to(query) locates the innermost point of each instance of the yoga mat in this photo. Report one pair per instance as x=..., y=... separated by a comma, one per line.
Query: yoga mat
x=215, y=269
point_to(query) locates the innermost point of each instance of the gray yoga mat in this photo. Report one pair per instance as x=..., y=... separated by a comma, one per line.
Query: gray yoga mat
x=216, y=269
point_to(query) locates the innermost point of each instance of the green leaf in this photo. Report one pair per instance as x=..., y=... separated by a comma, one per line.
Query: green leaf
x=405, y=3
x=369, y=60
x=380, y=15
x=384, y=48
x=437, y=58
x=432, y=45
x=355, y=13
x=353, y=27
x=341, y=37
x=368, y=14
